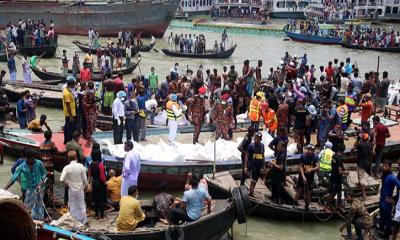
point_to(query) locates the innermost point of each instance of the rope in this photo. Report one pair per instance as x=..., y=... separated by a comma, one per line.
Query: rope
x=74, y=235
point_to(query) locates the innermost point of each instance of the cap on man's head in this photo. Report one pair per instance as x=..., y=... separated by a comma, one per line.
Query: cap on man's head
x=258, y=134
x=310, y=147
x=70, y=79
x=173, y=97
x=202, y=90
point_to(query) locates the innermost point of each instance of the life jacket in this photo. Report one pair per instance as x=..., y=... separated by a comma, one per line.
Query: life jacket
x=254, y=111
x=343, y=113
x=325, y=163
x=270, y=119
x=350, y=101
x=170, y=112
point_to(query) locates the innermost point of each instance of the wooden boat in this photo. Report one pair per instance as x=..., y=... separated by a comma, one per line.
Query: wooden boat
x=261, y=204
x=16, y=223
x=298, y=37
x=84, y=47
x=46, y=75
x=48, y=96
x=125, y=70
x=209, y=227
x=48, y=50
x=14, y=140
x=379, y=49
x=210, y=54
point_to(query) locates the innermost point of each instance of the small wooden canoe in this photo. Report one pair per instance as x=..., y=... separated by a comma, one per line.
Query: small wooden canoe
x=379, y=49
x=46, y=75
x=262, y=205
x=210, y=54
x=49, y=96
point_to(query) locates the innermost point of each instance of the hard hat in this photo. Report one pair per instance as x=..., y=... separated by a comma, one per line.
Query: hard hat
x=202, y=90
x=121, y=94
x=328, y=144
x=260, y=94
x=71, y=78
x=173, y=97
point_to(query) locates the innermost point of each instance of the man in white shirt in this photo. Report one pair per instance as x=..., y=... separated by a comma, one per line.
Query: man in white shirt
x=118, y=112
x=128, y=55
x=74, y=176
x=344, y=82
x=131, y=169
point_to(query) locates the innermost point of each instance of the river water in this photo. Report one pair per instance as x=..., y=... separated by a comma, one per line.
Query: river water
x=253, y=47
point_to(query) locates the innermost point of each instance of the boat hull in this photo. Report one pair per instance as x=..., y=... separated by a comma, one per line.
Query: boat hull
x=389, y=49
x=48, y=51
x=288, y=14
x=209, y=55
x=312, y=39
x=147, y=17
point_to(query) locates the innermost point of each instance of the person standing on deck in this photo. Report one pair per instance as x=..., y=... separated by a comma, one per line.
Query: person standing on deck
x=21, y=111
x=153, y=79
x=254, y=111
x=74, y=177
x=69, y=109
x=76, y=65
x=174, y=114
x=108, y=94
x=366, y=109
x=132, y=118
x=89, y=102
x=389, y=182
x=26, y=70
x=243, y=146
x=248, y=77
x=142, y=97
x=118, y=112
x=130, y=169
x=224, y=38
x=48, y=150
x=30, y=105
x=128, y=55
x=88, y=61
x=277, y=174
x=197, y=111
x=32, y=175
x=381, y=133
x=255, y=160
x=257, y=84
x=97, y=177
x=64, y=61
x=11, y=67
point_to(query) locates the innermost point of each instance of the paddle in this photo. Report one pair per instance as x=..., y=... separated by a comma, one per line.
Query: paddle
x=155, y=50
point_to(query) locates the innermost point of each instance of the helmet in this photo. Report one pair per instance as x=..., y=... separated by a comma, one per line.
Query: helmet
x=328, y=144
x=121, y=94
x=71, y=79
x=173, y=97
x=225, y=97
x=260, y=94
x=202, y=90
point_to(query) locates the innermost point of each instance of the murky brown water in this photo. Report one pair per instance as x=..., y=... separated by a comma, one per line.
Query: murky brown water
x=252, y=47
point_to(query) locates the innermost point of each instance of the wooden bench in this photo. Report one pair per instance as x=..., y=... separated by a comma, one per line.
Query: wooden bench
x=392, y=110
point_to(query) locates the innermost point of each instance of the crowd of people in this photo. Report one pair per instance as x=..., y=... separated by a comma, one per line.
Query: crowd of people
x=220, y=12
x=372, y=37
x=193, y=44
x=311, y=27
x=29, y=33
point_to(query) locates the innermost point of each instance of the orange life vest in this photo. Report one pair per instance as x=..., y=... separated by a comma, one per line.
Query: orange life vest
x=270, y=120
x=254, y=111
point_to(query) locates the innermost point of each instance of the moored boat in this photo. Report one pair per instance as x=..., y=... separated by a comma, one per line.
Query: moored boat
x=150, y=17
x=210, y=54
x=379, y=49
x=97, y=76
x=47, y=95
x=48, y=51
x=308, y=38
x=221, y=184
x=84, y=47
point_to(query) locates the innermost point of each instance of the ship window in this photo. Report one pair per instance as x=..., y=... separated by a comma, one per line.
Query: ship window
x=303, y=4
x=379, y=11
x=209, y=2
x=280, y=4
x=395, y=10
x=388, y=9
x=204, y=2
x=291, y=4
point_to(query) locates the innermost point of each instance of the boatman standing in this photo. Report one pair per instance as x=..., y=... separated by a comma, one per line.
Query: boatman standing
x=64, y=61
x=255, y=112
x=174, y=114
x=197, y=112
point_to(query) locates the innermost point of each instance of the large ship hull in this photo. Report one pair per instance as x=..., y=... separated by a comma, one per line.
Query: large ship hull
x=147, y=17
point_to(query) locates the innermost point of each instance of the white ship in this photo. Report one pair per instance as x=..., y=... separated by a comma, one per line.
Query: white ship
x=331, y=14
x=387, y=10
x=190, y=8
x=287, y=8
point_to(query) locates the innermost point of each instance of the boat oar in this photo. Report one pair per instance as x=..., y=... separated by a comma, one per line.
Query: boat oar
x=155, y=50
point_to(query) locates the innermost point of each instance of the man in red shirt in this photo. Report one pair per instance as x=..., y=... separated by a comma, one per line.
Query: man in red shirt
x=381, y=133
x=119, y=83
x=330, y=71
x=85, y=74
x=366, y=109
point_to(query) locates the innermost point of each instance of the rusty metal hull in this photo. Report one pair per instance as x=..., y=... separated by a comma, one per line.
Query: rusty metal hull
x=150, y=18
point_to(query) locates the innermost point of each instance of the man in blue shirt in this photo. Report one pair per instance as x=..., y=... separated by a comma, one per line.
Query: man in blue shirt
x=191, y=205
x=389, y=182
x=11, y=67
x=255, y=161
x=21, y=111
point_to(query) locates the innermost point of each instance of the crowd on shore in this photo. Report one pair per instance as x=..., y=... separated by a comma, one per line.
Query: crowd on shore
x=29, y=33
x=372, y=37
x=294, y=98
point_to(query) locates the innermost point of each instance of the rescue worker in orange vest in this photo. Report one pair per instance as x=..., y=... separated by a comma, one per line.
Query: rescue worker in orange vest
x=174, y=114
x=255, y=112
x=343, y=112
x=270, y=119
